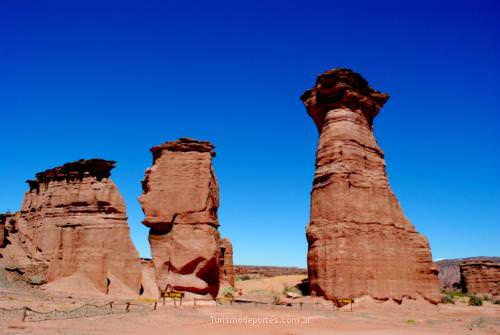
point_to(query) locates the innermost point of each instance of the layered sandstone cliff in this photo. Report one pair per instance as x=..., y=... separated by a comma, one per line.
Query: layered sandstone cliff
x=360, y=243
x=72, y=232
x=481, y=277
x=226, y=273
x=180, y=200
x=449, y=270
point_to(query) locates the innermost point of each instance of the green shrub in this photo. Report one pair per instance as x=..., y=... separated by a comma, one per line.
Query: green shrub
x=454, y=294
x=474, y=300
x=228, y=292
x=447, y=299
x=486, y=297
x=243, y=278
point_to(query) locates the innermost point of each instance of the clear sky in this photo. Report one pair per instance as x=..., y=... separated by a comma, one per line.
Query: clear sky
x=84, y=79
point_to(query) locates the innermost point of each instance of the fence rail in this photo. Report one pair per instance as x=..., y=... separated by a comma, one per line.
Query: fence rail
x=28, y=314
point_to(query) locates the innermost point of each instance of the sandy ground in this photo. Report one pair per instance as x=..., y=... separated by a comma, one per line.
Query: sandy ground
x=368, y=317
x=264, y=320
x=267, y=287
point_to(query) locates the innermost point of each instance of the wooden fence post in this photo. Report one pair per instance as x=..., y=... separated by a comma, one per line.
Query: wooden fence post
x=128, y=307
x=156, y=306
x=111, y=306
x=175, y=302
x=25, y=313
x=300, y=304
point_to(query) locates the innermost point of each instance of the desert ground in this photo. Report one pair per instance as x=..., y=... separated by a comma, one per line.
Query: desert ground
x=315, y=317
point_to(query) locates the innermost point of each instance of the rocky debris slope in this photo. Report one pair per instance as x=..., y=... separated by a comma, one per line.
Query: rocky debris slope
x=481, y=276
x=226, y=272
x=180, y=200
x=72, y=232
x=360, y=243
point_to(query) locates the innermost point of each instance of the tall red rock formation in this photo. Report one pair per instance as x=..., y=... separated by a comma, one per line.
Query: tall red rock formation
x=73, y=221
x=226, y=273
x=481, y=277
x=180, y=200
x=360, y=243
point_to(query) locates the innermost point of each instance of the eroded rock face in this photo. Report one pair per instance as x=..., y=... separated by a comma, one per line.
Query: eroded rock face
x=481, y=277
x=360, y=243
x=73, y=222
x=180, y=200
x=226, y=273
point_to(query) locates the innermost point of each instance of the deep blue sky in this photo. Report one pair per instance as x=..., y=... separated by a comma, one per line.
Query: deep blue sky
x=83, y=79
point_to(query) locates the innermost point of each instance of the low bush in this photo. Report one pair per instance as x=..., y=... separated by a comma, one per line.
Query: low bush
x=447, y=299
x=474, y=300
x=228, y=292
x=454, y=293
x=243, y=278
x=486, y=297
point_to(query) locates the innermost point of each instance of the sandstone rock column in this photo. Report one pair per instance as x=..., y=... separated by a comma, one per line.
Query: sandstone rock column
x=360, y=243
x=73, y=221
x=180, y=200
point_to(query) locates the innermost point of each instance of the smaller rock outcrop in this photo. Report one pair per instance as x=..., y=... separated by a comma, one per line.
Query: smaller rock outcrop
x=72, y=232
x=226, y=274
x=449, y=270
x=180, y=200
x=481, y=277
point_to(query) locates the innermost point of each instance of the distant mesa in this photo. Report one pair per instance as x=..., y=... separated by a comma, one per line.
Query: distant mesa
x=360, y=243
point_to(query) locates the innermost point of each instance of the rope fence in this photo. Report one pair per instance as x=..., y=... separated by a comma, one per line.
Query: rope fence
x=28, y=314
